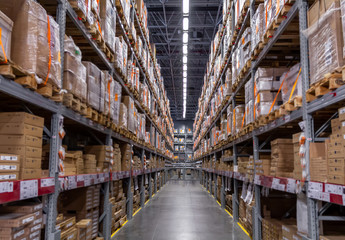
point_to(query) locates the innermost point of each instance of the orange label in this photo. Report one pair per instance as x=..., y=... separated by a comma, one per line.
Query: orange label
x=116, y=97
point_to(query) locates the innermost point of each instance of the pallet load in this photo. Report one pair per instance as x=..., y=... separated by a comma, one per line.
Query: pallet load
x=84, y=229
x=74, y=77
x=117, y=158
x=21, y=134
x=238, y=119
x=73, y=163
x=282, y=163
x=23, y=220
x=318, y=161
x=108, y=23
x=297, y=170
x=126, y=154
x=325, y=42
x=66, y=224
x=118, y=201
x=291, y=86
x=249, y=103
x=104, y=156
x=257, y=28
x=242, y=163
x=33, y=50
x=90, y=163
x=6, y=35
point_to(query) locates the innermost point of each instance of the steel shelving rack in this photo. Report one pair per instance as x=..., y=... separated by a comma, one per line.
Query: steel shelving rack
x=259, y=137
x=185, y=143
x=53, y=185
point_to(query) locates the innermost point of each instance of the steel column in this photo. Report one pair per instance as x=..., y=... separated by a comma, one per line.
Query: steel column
x=142, y=186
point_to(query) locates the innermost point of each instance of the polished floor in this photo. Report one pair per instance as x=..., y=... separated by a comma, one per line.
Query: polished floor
x=182, y=210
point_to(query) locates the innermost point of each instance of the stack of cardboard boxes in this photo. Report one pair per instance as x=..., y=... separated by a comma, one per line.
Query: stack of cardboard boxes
x=84, y=229
x=263, y=165
x=24, y=220
x=126, y=154
x=66, y=224
x=21, y=135
x=117, y=158
x=242, y=163
x=297, y=170
x=118, y=201
x=90, y=163
x=104, y=156
x=282, y=163
x=318, y=162
x=82, y=203
x=73, y=163
x=136, y=163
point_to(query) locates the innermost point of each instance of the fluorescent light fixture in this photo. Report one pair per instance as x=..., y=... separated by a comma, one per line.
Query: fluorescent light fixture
x=185, y=49
x=185, y=91
x=185, y=23
x=185, y=85
x=184, y=114
x=184, y=74
x=185, y=6
x=185, y=38
x=184, y=67
x=184, y=59
x=184, y=80
x=184, y=102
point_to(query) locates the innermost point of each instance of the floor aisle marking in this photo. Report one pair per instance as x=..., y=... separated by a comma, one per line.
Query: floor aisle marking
x=112, y=235
x=147, y=201
x=136, y=211
x=228, y=213
x=244, y=230
x=219, y=203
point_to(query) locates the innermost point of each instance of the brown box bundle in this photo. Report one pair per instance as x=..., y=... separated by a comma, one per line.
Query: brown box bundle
x=32, y=48
x=324, y=38
x=84, y=229
x=282, y=163
x=126, y=154
x=242, y=163
x=90, y=163
x=26, y=219
x=263, y=165
x=117, y=158
x=318, y=162
x=21, y=134
x=104, y=156
x=297, y=171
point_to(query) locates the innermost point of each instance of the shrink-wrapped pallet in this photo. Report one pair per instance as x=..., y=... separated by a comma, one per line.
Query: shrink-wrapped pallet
x=291, y=83
x=93, y=81
x=32, y=47
x=324, y=40
x=6, y=24
x=117, y=100
x=238, y=118
x=118, y=54
x=123, y=116
x=249, y=112
x=74, y=71
x=257, y=26
x=129, y=103
x=108, y=23
x=108, y=94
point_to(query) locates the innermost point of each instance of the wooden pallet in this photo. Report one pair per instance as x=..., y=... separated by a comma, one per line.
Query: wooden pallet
x=91, y=114
x=293, y=104
x=331, y=82
x=70, y=101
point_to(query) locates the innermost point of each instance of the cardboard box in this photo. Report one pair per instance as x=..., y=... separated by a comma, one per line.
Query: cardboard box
x=317, y=150
x=332, y=237
x=22, y=151
x=14, y=233
x=30, y=162
x=21, y=117
x=21, y=128
x=26, y=173
x=16, y=219
x=337, y=179
x=341, y=112
x=336, y=162
x=336, y=170
x=21, y=140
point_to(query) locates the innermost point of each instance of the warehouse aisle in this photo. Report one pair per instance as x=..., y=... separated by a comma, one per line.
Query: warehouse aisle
x=182, y=210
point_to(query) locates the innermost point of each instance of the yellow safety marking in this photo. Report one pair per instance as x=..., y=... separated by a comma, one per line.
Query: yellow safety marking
x=228, y=213
x=152, y=195
x=147, y=201
x=112, y=235
x=244, y=230
x=219, y=203
x=136, y=212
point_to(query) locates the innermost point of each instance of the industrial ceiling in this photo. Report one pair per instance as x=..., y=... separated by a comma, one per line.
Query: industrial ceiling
x=165, y=19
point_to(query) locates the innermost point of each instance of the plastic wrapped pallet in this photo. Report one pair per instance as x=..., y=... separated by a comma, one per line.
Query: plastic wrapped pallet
x=108, y=94
x=257, y=26
x=229, y=121
x=129, y=103
x=238, y=118
x=6, y=25
x=342, y=8
x=324, y=40
x=117, y=100
x=118, y=54
x=74, y=70
x=249, y=112
x=93, y=81
x=108, y=23
x=31, y=47
x=123, y=116
x=292, y=85
x=270, y=11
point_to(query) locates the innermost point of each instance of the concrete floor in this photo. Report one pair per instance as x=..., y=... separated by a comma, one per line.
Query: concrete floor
x=182, y=210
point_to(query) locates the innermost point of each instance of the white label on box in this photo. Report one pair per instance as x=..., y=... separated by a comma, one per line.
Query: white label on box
x=72, y=184
x=343, y=124
x=80, y=178
x=27, y=220
x=291, y=186
x=6, y=187
x=315, y=186
x=275, y=183
x=28, y=189
x=325, y=197
x=342, y=110
x=9, y=158
x=235, y=168
x=8, y=177
x=87, y=182
x=8, y=167
x=48, y=182
x=332, y=188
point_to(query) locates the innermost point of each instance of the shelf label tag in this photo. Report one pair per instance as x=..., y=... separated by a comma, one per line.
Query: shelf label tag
x=287, y=118
x=235, y=168
x=72, y=184
x=6, y=187
x=47, y=182
x=80, y=178
x=276, y=184
x=332, y=188
x=315, y=186
x=28, y=189
x=291, y=186
x=325, y=197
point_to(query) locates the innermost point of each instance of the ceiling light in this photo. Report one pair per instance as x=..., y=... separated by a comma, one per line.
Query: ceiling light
x=185, y=6
x=184, y=59
x=185, y=91
x=184, y=102
x=185, y=84
x=184, y=80
x=184, y=115
x=184, y=74
x=185, y=24
x=185, y=37
x=184, y=67
x=185, y=49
